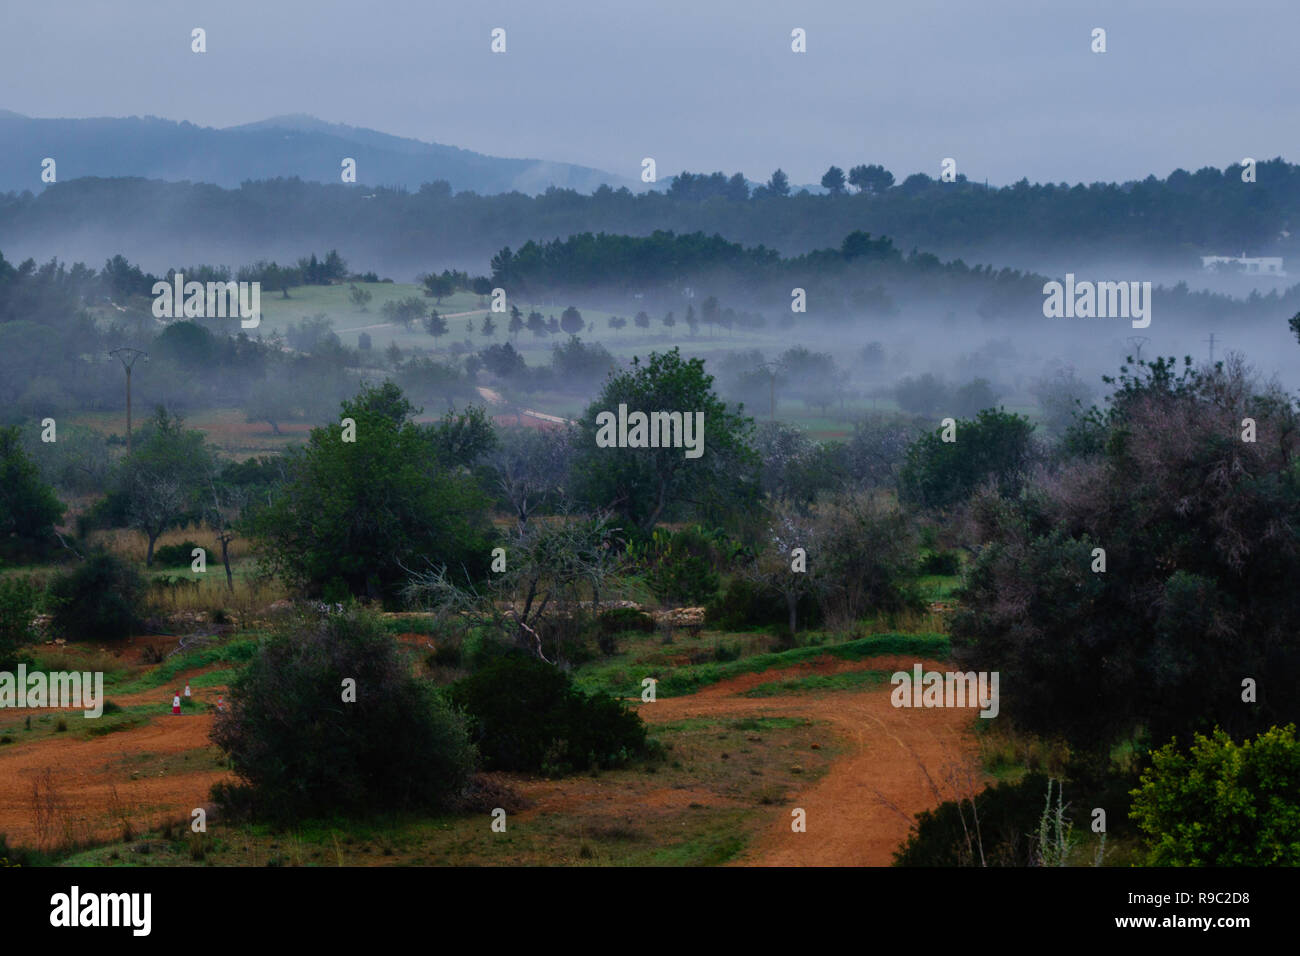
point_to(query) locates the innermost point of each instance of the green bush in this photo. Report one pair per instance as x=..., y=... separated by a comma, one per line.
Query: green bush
x=18, y=603
x=100, y=599
x=1008, y=813
x=940, y=474
x=680, y=567
x=745, y=604
x=1222, y=803
x=301, y=750
x=176, y=555
x=480, y=648
x=18, y=856
x=29, y=509
x=940, y=562
x=620, y=619
x=526, y=714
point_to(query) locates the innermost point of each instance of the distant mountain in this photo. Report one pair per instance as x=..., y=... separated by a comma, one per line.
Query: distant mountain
x=295, y=145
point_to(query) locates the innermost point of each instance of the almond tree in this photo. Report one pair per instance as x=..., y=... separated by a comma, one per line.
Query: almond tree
x=164, y=477
x=779, y=566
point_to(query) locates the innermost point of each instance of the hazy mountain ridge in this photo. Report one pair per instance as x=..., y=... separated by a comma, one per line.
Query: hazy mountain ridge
x=282, y=146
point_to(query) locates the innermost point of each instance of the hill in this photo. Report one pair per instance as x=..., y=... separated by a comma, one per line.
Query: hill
x=283, y=146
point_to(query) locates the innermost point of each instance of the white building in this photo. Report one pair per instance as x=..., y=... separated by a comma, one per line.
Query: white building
x=1258, y=266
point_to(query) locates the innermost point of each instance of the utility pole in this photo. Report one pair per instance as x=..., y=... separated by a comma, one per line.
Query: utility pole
x=127, y=356
x=771, y=368
x=1137, y=341
x=1211, y=341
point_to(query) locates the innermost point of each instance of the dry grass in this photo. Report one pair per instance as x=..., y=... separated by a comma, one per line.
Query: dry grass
x=55, y=827
x=179, y=590
x=134, y=545
x=1007, y=754
x=901, y=622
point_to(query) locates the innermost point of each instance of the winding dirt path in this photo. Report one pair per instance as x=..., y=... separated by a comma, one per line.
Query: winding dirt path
x=146, y=774
x=899, y=761
x=894, y=763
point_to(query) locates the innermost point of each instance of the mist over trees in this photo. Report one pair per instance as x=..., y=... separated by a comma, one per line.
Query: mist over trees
x=1172, y=220
x=896, y=446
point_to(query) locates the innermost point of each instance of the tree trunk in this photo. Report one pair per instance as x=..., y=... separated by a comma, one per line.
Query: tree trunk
x=148, y=558
x=792, y=602
x=649, y=523
x=225, y=559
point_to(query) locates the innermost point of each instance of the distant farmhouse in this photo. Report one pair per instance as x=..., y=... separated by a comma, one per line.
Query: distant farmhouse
x=1260, y=266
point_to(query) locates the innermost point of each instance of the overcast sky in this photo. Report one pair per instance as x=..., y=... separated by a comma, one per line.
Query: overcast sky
x=1009, y=88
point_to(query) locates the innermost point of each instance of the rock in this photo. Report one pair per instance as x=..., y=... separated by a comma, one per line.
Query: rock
x=691, y=618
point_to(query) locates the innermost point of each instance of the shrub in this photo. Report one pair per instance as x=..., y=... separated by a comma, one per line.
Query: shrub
x=746, y=604
x=526, y=714
x=617, y=621
x=1223, y=804
x=680, y=566
x=869, y=553
x=940, y=562
x=18, y=598
x=1008, y=813
x=18, y=856
x=301, y=750
x=176, y=555
x=480, y=648
x=29, y=508
x=620, y=619
x=447, y=651
x=100, y=599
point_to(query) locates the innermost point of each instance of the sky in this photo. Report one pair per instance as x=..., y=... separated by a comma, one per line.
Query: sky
x=1007, y=88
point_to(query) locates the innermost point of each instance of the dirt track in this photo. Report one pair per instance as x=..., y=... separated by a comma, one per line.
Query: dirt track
x=160, y=771
x=896, y=763
x=899, y=761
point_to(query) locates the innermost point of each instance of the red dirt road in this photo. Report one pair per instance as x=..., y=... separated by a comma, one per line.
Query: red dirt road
x=894, y=763
x=160, y=771
x=899, y=761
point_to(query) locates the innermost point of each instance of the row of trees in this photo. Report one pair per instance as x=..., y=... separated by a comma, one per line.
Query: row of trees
x=1171, y=219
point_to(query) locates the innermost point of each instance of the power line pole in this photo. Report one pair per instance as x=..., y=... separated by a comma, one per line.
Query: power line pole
x=1211, y=341
x=772, y=368
x=1137, y=341
x=127, y=356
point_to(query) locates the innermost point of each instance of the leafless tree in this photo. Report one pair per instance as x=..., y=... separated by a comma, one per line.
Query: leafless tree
x=531, y=466
x=549, y=567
